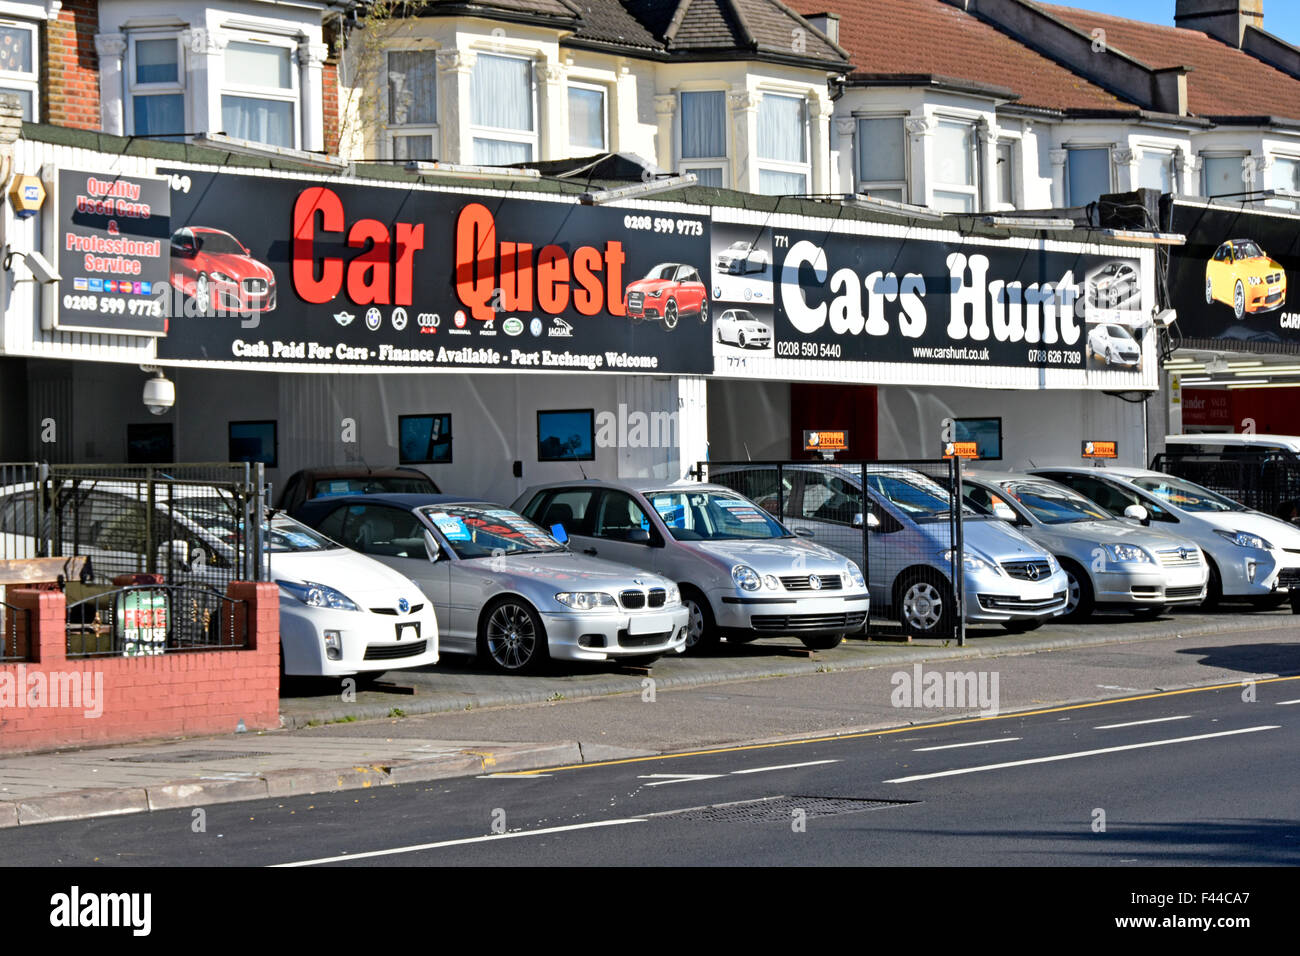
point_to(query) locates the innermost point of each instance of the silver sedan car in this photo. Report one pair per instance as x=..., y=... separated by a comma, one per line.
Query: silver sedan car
x=505, y=589
x=742, y=573
x=1109, y=562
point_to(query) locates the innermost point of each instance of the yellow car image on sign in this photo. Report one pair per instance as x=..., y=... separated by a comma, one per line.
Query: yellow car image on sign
x=1241, y=275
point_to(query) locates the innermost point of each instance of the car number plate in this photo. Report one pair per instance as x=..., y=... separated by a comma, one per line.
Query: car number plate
x=409, y=629
x=649, y=624
x=1274, y=289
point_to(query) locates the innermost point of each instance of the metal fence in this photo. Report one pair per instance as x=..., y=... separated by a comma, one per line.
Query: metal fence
x=1267, y=480
x=189, y=523
x=15, y=634
x=899, y=520
x=144, y=621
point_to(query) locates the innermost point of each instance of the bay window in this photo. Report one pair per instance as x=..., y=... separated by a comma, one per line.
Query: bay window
x=703, y=135
x=587, y=119
x=157, y=86
x=503, y=117
x=1222, y=174
x=882, y=157
x=1087, y=174
x=412, y=104
x=1156, y=170
x=18, y=65
x=783, y=168
x=955, y=165
x=259, y=101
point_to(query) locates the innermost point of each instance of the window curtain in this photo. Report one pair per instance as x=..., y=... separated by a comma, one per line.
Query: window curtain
x=155, y=61
x=708, y=175
x=256, y=64
x=412, y=88
x=1222, y=175
x=502, y=92
x=882, y=146
x=954, y=154
x=158, y=114
x=497, y=152
x=773, y=182
x=1088, y=173
x=260, y=121
x=586, y=118
x=1155, y=171
x=781, y=129
x=704, y=125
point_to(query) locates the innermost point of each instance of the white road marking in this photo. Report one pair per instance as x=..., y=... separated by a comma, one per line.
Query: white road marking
x=665, y=778
x=787, y=766
x=973, y=743
x=1283, y=703
x=1081, y=753
x=467, y=840
x=1139, y=723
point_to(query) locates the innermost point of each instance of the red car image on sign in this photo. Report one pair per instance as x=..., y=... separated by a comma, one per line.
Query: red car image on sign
x=669, y=291
x=219, y=274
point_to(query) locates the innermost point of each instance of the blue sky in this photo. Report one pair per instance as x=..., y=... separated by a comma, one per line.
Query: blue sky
x=1281, y=17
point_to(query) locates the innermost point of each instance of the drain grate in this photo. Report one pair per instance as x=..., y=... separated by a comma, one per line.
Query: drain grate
x=192, y=756
x=780, y=809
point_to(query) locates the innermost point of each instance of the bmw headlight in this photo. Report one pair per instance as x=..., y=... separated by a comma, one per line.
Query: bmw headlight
x=1130, y=553
x=674, y=595
x=855, y=575
x=318, y=595
x=585, y=600
x=1244, y=539
x=745, y=577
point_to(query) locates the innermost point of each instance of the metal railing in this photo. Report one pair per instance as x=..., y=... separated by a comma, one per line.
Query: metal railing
x=156, y=619
x=15, y=634
x=857, y=509
x=1266, y=480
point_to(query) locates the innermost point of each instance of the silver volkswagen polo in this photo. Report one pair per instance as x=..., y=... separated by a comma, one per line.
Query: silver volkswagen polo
x=504, y=588
x=742, y=573
x=1108, y=561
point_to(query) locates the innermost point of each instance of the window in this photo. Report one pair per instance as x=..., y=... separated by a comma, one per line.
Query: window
x=955, y=164
x=1087, y=175
x=829, y=498
x=1286, y=175
x=1004, y=179
x=157, y=82
x=259, y=102
x=587, y=122
x=782, y=145
x=703, y=135
x=413, y=103
x=375, y=529
x=1156, y=170
x=18, y=72
x=882, y=157
x=501, y=91
x=621, y=519
x=1223, y=174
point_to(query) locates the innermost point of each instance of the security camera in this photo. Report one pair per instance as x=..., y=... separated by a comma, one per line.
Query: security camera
x=159, y=394
x=37, y=265
x=1166, y=317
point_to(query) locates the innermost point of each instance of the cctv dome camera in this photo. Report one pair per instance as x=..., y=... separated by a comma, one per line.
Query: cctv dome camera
x=159, y=394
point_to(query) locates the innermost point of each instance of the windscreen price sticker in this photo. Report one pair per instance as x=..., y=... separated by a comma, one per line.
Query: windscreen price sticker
x=1100, y=449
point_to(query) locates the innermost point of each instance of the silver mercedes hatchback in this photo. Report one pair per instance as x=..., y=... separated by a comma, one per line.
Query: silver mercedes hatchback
x=742, y=573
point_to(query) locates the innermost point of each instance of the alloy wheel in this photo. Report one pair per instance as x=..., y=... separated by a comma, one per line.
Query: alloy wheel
x=511, y=637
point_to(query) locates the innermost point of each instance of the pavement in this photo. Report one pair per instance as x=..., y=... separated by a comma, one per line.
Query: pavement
x=458, y=721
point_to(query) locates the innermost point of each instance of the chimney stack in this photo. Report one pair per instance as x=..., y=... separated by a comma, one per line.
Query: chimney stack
x=827, y=23
x=1224, y=20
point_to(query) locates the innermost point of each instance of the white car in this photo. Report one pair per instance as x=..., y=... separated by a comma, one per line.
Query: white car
x=742, y=328
x=1114, y=345
x=341, y=613
x=1115, y=286
x=743, y=258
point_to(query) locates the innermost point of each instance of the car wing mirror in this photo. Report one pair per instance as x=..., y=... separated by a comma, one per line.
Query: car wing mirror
x=1137, y=513
x=559, y=534
x=432, y=546
x=639, y=536
x=803, y=532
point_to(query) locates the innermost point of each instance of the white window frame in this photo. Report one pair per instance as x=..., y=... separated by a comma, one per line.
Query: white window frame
x=1240, y=155
x=533, y=137
x=152, y=89
x=971, y=189
x=604, y=115
x=1014, y=145
x=394, y=131
x=1283, y=202
x=27, y=82
x=904, y=185
x=1108, y=149
x=803, y=168
x=1170, y=156
x=292, y=94
x=696, y=163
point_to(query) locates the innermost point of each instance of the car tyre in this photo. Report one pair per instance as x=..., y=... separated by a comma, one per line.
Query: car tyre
x=202, y=294
x=1079, y=596
x=718, y=335
x=925, y=605
x=1209, y=291
x=740, y=340
x=701, y=627
x=704, y=311
x=1213, y=588
x=670, y=315
x=821, y=642
x=512, y=638
x=1239, y=300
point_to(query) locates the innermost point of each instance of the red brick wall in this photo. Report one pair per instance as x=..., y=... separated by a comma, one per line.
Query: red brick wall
x=169, y=695
x=330, y=94
x=71, y=83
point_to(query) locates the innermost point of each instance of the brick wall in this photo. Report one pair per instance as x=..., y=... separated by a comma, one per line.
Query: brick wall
x=330, y=95
x=141, y=698
x=71, y=85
